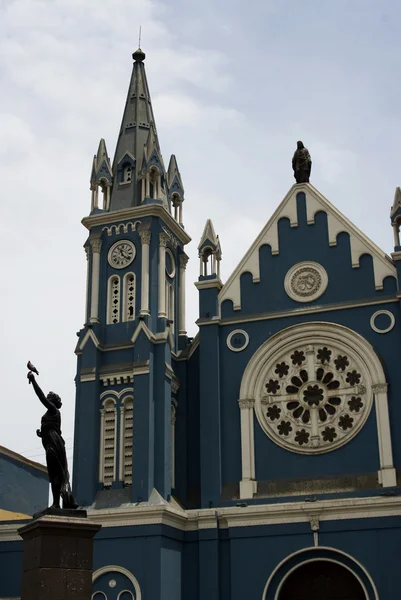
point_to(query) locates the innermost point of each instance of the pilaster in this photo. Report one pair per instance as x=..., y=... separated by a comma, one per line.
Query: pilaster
x=96, y=245
x=145, y=236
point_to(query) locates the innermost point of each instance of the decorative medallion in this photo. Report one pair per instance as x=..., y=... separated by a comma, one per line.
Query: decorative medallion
x=112, y=583
x=121, y=254
x=382, y=321
x=306, y=281
x=237, y=340
x=313, y=398
x=170, y=263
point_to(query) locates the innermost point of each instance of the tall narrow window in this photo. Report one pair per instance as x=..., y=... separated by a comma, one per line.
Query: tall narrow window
x=170, y=300
x=129, y=297
x=173, y=409
x=127, y=429
x=113, y=304
x=108, y=443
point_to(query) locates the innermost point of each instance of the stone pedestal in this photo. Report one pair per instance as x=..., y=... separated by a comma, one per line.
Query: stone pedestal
x=58, y=553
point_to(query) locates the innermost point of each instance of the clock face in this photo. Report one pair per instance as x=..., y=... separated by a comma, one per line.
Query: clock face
x=121, y=254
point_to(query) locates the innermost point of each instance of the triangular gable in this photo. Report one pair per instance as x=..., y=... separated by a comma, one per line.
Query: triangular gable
x=337, y=222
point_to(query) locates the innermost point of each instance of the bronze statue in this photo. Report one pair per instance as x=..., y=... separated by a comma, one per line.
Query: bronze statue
x=301, y=164
x=54, y=445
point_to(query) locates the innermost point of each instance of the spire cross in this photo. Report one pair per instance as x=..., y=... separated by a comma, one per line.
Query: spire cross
x=139, y=39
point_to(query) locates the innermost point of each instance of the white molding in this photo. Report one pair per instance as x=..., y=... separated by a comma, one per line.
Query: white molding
x=173, y=271
x=231, y=335
x=308, y=333
x=144, y=210
x=298, y=311
x=206, y=284
x=89, y=335
x=128, y=390
x=255, y=515
x=382, y=312
x=123, y=571
x=307, y=264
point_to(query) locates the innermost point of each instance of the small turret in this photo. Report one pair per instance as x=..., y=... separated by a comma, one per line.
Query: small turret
x=101, y=176
x=209, y=247
x=175, y=189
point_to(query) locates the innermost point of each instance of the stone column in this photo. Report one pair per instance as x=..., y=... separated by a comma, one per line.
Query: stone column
x=162, y=274
x=387, y=474
x=87, y=253
x=181, y=320
x=248, y=484
x=58, y=556
x=96, y=247
x=145, y=241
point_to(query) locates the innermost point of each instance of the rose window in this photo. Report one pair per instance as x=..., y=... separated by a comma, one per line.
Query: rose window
x=314, y=398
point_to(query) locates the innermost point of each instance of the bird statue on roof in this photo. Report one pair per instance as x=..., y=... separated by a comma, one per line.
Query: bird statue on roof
x=32, y=367
x=301, y=164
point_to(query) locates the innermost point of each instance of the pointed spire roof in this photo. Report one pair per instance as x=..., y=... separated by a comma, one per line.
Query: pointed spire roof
x=101, y=166
x=209, y=237
x=174, y=181
x=137, y=128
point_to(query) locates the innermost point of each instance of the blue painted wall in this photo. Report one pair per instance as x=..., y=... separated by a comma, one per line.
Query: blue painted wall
x=23, y=488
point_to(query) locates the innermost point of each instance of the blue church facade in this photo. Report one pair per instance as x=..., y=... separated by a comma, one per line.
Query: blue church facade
x=261, y=459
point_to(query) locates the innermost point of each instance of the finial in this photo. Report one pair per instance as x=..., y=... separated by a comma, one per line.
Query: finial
x=138, y=55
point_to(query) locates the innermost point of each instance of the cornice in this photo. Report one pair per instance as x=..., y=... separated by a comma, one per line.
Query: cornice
x=151, y=210
x=18, y=457
x=294, y=312
x=209, y=283
x=236, y=516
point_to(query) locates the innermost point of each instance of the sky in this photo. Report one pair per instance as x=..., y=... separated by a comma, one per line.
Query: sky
x=234, y=85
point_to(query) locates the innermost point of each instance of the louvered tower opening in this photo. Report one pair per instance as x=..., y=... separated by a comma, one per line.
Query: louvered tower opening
x=128, y=429
x=109, y=450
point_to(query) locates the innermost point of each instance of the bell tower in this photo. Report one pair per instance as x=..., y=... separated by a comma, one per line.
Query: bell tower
x=134, y=327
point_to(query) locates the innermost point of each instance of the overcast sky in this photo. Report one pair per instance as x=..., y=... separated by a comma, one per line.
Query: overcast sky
x=234, y=85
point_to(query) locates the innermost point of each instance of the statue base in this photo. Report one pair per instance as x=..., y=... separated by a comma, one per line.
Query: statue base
x=73, y=513
x=58, y=554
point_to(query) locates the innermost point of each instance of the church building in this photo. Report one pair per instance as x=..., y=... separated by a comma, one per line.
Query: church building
x=261, y=459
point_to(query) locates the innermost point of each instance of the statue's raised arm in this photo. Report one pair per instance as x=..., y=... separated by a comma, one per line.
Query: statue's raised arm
x=54, y=445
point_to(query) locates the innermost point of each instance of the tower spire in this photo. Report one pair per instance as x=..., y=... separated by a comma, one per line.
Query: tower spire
x=138, y=172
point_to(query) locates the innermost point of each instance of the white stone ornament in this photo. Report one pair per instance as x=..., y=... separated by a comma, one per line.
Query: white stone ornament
x=391, y=321
x=306, y=281
x=121, y=254
x=237, y=340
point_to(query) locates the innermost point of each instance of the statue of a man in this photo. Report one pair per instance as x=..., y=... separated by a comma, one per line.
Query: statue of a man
x=301, y=164
x=54, y=445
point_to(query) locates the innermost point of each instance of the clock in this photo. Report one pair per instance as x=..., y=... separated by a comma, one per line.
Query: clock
x=121, y=254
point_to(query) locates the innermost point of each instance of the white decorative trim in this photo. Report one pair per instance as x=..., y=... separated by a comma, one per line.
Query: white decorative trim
x=310, y=333
x=117, y=569
x=337, y=222
x=162, y=275
x=96, y=244
x=127, y=314
x=113, y=300
x=87, y=378
x=121, y=228
x=128, y=390
x=382, y=312
x=306, y=281
x=232, y=334
x=153, y=210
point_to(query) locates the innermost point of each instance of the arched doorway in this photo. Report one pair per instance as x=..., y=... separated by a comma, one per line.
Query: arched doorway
x=321, y=580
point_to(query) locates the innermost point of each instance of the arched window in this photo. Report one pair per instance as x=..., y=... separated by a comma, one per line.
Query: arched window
x=129, y=297
x=107, y=470
x=113, y=302
x=127, y=174
x=126, y=429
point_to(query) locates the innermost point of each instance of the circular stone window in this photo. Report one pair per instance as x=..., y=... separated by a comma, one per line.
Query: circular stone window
x=382, y=321
x=313, y=398
x=237, y=340
x=170, y=263
x=306, y=281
